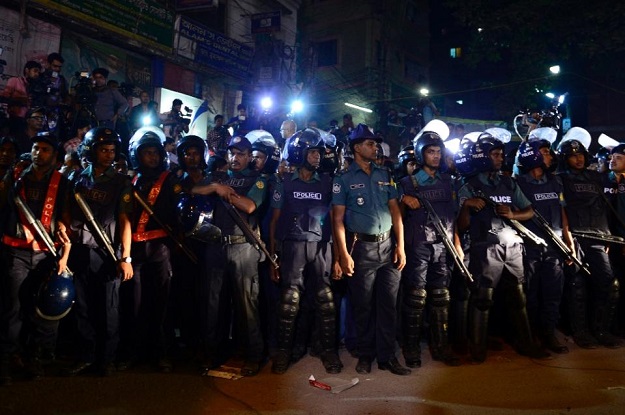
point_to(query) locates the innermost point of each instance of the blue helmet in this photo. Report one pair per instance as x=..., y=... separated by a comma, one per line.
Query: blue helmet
x=191, y=141
x=462, y=159
x=55, y=297
x=427, y=139
x=97, y=136
x=196, y=216
x=480, y=152
x=299, y=143
x=147, y=137
x=529, y=155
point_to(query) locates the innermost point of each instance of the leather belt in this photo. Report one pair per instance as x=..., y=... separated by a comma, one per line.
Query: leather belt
x=380, y=237
x=229, y=239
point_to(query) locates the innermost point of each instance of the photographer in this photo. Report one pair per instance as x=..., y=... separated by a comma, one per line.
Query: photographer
x=109, y=102
x=18, y=92
x=143, y=114
x=57, y=92
x=174, y=123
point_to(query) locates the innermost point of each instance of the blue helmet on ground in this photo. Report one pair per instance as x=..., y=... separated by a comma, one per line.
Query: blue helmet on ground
x=196, y=216
x=56, y=296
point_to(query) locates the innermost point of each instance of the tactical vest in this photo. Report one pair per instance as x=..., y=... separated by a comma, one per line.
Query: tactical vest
x=103, y=198
x=585, y=207
x=486, y=221
x=417, y=226
x=545, y=198
x=305, y=213
x=156, y=192
x=241, y=185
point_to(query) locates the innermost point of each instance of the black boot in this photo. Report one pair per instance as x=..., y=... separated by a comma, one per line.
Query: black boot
x=525, y=345
x=412, y=319
x=578, y=315
x=439, y=335
x=326, y=323
x=480, y=302
x=551, y=342
x=289, y=306
x=604, y=312
x=458, y=320
x=34, y=366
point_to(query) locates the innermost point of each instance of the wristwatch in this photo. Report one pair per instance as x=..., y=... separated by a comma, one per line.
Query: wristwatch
x=127, y=260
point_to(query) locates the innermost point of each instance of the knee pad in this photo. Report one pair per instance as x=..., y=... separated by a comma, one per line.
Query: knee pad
x=482, y=298
x=439, y=297
x=289, y=303
x=414, y=298
x=325, y=301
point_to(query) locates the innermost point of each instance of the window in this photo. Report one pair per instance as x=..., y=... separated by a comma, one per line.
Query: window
x=327, y=54
x=455, y=52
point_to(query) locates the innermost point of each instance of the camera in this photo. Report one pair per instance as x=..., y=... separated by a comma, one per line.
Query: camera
x=82, y=90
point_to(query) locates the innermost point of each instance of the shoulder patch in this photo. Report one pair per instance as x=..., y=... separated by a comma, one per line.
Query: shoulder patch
x=177, y=188
x=336, y=188
x=127, y=198
x=276, y=196
x=260, y=184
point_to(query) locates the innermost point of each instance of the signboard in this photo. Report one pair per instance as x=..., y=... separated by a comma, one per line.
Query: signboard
x=15, y=50
x=196, y=4
x=213, y=49
x=142, y=20
x=266, y=22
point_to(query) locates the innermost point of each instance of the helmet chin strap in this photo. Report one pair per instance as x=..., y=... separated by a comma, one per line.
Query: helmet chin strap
x=310, y=167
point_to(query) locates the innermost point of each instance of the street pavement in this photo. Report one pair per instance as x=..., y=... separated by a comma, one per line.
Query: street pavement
x=581, y=382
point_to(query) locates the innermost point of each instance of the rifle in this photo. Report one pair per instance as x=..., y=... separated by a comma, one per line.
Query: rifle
x=165, y=227
x=558, y=242
x=513, y=223
x=440, y=230
x=97, y=228
x=40, y=230
x=251, y=237
x=612, y=239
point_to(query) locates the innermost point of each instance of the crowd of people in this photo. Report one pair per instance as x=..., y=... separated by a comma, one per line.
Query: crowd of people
x=266, y=247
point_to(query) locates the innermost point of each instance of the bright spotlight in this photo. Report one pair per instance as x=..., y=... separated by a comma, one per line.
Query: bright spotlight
x=555, y=69
x=266, y=103
x=424, y=92
x=297, y=106
x=550, y=95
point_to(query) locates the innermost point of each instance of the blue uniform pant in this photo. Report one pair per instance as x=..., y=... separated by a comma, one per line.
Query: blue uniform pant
x=373, y=294
x=97, y=303
x=544, y=287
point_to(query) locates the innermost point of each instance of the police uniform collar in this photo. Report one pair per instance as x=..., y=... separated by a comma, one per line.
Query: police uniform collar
x=247, y=172
x=30, y=170
x=531, y=179
x=355, y=166
x=295, y=176
x=88, y=172
x=423, y=177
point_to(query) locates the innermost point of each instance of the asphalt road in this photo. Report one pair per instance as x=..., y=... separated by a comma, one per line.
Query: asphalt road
x=581, y=382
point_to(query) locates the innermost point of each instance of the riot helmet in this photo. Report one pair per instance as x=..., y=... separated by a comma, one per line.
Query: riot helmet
x=191, y=141
x=480, y=152
x=56, y=296
x=529, y=156
x=462, y=159
x=147, y=137
x=196, y=216
x=264, y=142
x=97, y=136
x=298, y=144
x=428, y=139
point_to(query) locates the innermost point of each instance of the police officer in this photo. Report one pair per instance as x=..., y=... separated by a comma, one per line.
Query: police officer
x=27, y=264
x=617, y=175
x=232, y=260
x=145, y=298
x=364, y=209
x=496, y=250
x=427, y=259
x=543, y=266
x=406, y=163
x=301, y=210
x=97, y=276
x=586, y=208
